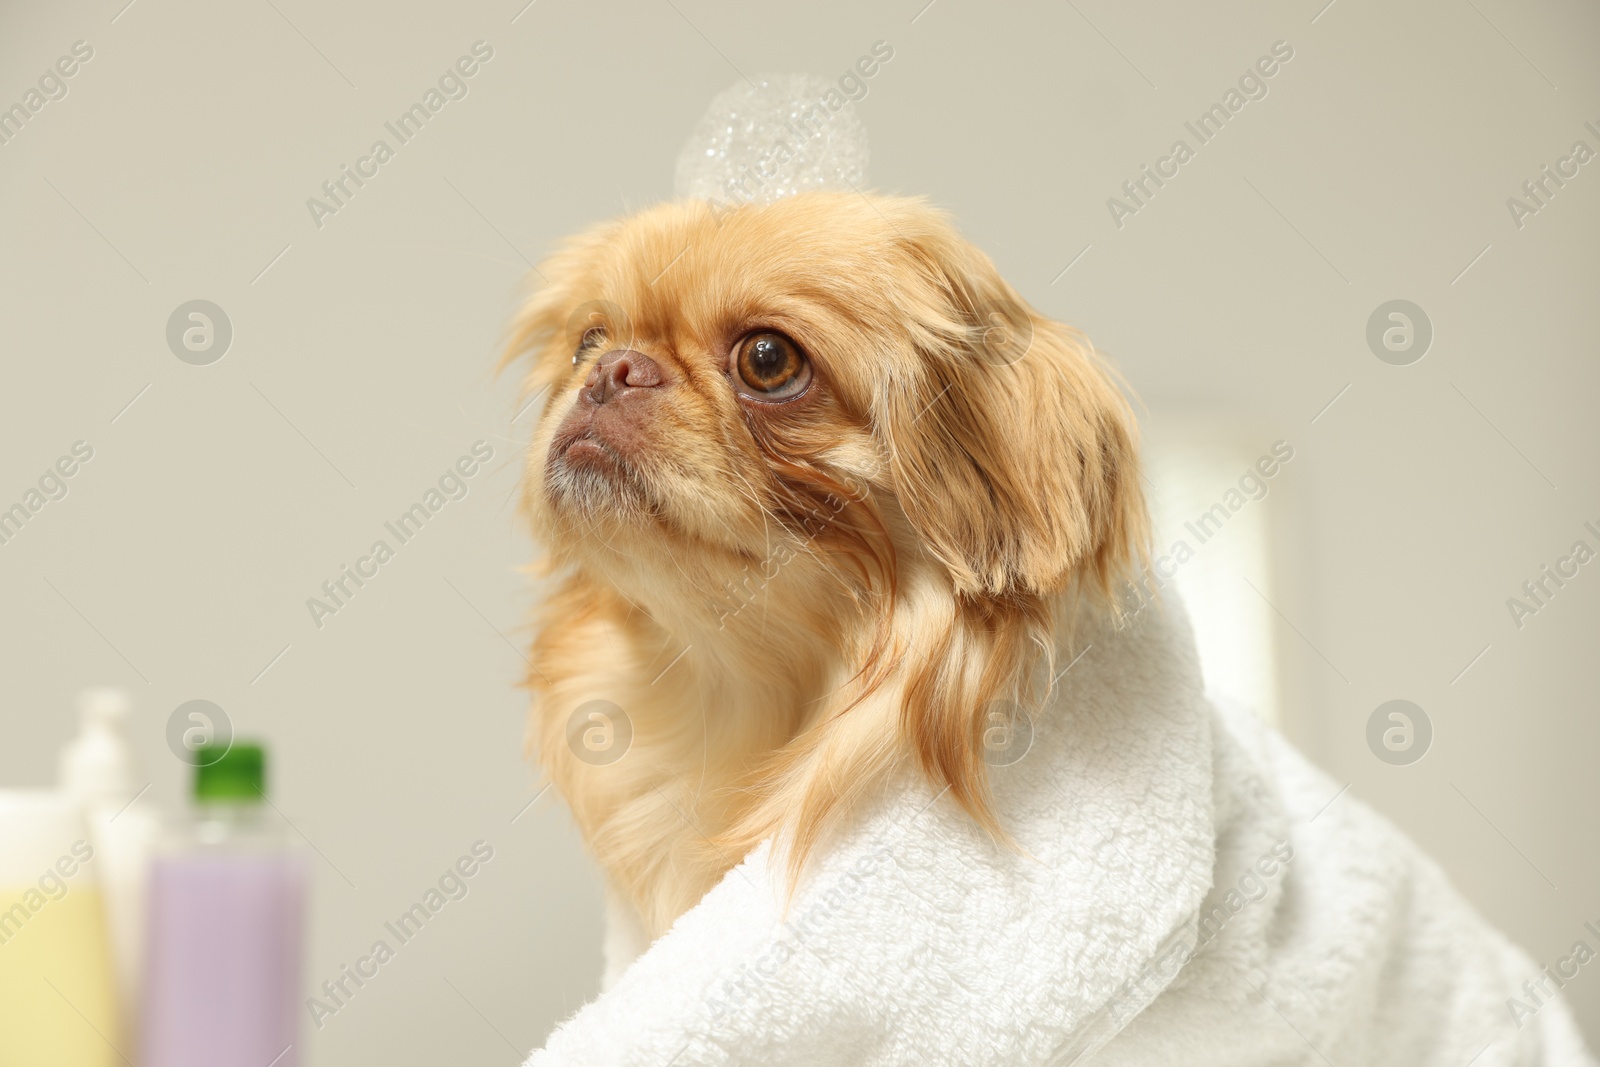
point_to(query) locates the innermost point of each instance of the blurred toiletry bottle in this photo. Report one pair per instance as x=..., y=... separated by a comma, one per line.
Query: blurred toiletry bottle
x=226, y=926
x=99, y=771
x=57, y=996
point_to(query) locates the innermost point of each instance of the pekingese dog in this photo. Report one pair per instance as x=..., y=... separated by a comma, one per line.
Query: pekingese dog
x=814, y=483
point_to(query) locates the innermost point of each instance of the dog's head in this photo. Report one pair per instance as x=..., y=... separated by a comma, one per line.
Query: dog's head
x=721, y=383
x=839, y=395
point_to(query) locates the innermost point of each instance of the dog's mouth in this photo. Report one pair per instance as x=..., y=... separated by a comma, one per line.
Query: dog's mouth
x=592, y=461
x=585, y=446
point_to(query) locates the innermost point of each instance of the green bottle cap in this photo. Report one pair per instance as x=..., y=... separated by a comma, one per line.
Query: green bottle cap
x=237, y=774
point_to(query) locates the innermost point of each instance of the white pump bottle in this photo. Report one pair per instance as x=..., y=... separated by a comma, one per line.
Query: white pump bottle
x=99, y=772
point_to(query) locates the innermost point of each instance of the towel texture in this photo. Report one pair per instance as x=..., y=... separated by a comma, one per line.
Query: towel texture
x=1184, y=893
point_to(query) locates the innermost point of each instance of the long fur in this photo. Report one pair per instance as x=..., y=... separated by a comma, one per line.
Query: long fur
x=791, y=603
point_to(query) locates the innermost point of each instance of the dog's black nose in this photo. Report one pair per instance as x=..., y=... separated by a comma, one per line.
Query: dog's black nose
x=619, y=371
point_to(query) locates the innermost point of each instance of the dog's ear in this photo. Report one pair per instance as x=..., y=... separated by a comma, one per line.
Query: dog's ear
x=1013, y=452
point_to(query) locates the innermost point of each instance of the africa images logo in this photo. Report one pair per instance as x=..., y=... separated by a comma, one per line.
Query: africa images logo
x=452, y=85
x=454, y=484
x=1252, y=85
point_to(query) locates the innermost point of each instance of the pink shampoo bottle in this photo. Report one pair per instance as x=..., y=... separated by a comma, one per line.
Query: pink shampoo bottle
x=226, y=928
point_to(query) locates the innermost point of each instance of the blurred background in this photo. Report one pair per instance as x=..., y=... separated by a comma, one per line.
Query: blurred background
x=1440, y=459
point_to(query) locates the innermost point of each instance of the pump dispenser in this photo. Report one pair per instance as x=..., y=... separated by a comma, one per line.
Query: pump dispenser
x=99, y=772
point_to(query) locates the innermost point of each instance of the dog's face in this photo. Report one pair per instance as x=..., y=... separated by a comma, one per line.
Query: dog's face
x=691, y=358
x=831, y=375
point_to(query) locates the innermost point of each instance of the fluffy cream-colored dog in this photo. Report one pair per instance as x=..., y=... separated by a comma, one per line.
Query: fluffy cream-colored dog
x=815, y=485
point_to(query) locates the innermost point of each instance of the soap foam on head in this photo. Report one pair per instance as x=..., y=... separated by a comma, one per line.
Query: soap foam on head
x=760, y=142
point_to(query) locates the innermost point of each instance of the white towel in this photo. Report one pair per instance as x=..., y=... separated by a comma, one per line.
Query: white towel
x=1186, y=893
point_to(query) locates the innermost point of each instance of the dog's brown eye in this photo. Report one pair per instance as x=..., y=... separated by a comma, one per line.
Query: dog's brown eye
x=591, y=339
x=771, y=367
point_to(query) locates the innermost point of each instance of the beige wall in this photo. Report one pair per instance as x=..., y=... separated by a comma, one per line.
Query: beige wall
x=177, y=168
